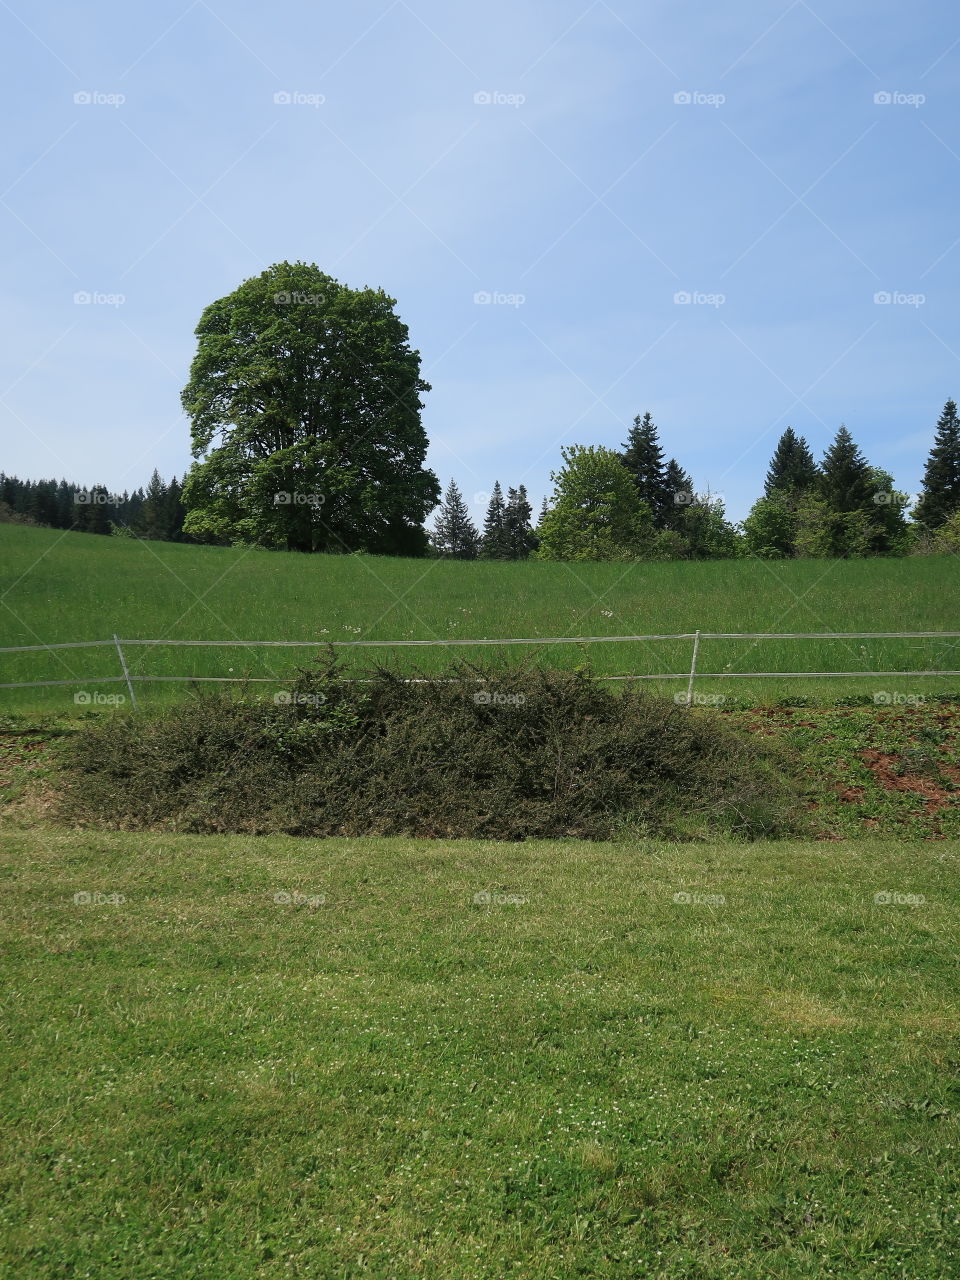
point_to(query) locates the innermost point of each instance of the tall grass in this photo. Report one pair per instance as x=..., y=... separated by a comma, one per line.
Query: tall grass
x=67, y=587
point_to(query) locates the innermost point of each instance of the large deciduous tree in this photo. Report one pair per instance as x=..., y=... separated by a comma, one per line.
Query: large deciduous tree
x=596, y=512
x=304, y=401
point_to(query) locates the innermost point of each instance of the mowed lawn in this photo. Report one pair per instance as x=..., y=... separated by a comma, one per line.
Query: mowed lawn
x=62, y=587
x=679, y=1062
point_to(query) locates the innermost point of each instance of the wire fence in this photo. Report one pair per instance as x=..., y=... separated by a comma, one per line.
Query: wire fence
x=691, y=673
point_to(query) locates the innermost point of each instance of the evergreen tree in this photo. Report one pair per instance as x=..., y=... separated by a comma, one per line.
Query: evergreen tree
x=643, y=458
x=66, y=511
x=844, y=482
x=678, y=486
x=173, y=512
x=134, y=516
x=454, y=533
x=98, y=511
x=792, y=468
x=494, y=544
x=154, y=507
x=940, y=496
x=520, y=538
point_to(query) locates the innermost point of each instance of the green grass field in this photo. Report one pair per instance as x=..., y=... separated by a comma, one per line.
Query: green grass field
x=689, y=1063
x=60, y=587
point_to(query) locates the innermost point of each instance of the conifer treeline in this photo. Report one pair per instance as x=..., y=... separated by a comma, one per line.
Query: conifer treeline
x=156, y=512
x=634, y=504
x=507, y=530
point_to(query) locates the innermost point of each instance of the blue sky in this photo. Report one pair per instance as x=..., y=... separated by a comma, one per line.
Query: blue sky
x=533, y=152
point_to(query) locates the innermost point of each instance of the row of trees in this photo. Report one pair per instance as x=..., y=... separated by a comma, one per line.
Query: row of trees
x=507, y=530
x=305, y=405
x=635, y=504
x=156, y=512
x=614, y=505
x=845, y=507
x=304, y=399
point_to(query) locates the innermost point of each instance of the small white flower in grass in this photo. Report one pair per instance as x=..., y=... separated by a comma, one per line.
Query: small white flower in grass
x=607, y=613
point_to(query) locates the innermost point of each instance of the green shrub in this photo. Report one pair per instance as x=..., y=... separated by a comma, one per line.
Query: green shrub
x=505, y=753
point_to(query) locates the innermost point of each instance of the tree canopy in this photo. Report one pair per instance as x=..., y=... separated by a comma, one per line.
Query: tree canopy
x=304, y=402
x=596, y=513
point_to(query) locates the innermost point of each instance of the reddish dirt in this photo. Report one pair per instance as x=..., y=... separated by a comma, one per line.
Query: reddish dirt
x=885, y=768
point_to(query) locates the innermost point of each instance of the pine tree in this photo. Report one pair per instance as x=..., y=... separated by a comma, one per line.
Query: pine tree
x=66, y=511
x=173, y=512
x=154, y=507
x=519, y=535
x=844, y=481
x=940, y=496
x=98, y=511
x=792, y=468
x=494, y=544
x=643, y=458
x=135, y=511
x=678, y=486
x=454, y=533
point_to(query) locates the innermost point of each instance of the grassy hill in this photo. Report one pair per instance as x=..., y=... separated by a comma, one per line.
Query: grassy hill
x=59, y=587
